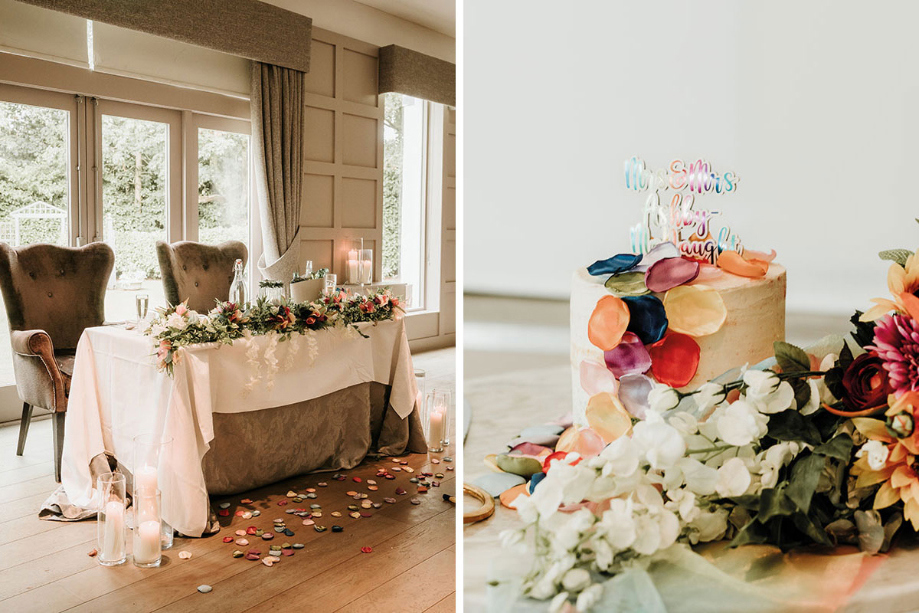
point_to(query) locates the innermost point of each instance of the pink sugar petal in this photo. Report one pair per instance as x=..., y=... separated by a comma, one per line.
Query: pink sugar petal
x=671, y=272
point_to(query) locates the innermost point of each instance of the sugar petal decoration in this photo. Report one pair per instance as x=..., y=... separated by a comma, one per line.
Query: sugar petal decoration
x=675, y=359
x=608, y=322
x=633, y=393
x=581, y=440
x=647, y=318
x=509, y=497
x=596, y=378
x=529, y=449
x=671, y=272
x=607, y=417
x=762, y=256
x=657, y=253
x=629, y=357
x=618, y=263
x=630, y=283
x=707, y=274
x=695, y=310
x=734, y=263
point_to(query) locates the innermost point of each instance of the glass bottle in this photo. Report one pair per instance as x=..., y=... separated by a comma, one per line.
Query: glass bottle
x=238, y=286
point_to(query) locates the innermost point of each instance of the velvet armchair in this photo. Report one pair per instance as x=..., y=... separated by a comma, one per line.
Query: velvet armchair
x=51, y=294
x=197, y=272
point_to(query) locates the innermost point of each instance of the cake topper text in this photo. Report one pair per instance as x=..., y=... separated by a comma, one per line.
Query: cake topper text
x=691, y=230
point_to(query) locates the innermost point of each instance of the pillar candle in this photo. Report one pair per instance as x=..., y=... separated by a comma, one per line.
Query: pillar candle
x=145, y=479
x=147, y=542
x=113, y=539
x=368, y=272
x=436, y=428
x=353, y=276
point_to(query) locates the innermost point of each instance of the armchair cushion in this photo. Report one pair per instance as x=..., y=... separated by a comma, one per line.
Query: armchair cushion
x=39, y=378
x=197, y=272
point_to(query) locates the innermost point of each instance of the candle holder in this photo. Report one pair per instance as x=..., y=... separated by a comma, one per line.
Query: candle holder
x=434, y=419
x=152, y=457
x=419, y=385
x=446, y=399
x=330, y=282
x=110, y=527
x=359, y=263
x=148, y=530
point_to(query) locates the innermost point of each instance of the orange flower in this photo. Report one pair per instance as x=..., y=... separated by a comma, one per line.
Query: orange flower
x=903, y=281
x=899, y=478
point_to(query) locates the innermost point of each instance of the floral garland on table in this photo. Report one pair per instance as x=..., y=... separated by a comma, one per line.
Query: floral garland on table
x=816, y=447
x=179, y=326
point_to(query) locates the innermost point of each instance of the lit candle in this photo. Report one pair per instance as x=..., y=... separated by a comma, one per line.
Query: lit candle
x=367, y=269
x=145, y=480
x=436, y=428
x=353, y=275
x=113, y=539
x=147, y=542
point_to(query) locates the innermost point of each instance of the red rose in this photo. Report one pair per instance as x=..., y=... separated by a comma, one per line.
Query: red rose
x=866, y=383
x=310, y=321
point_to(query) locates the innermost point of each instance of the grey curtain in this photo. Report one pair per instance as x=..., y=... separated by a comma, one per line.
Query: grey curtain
x=277, y=139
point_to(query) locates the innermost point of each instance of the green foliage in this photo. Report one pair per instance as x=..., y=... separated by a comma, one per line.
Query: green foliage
x=392, y=184
x=895, y=255
x=791, y=358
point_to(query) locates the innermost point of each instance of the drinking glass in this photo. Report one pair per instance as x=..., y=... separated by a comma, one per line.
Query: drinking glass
x=309, y=268
x=330, y=282
x=148, y=546
x=142, y=302
x=110, y=525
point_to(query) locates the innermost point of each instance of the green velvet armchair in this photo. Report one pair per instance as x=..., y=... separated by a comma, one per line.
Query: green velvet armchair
x=197, y=272
x=51, y=294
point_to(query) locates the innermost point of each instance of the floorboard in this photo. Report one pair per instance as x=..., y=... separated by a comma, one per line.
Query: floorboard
x=45, y=566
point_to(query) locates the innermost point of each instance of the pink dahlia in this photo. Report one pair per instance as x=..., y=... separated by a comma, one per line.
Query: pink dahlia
x=896, y=342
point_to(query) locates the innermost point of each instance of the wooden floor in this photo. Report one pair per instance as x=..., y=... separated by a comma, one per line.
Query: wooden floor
x=44, y=565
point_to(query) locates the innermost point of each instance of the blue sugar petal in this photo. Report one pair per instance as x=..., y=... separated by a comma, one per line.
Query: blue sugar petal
x=616, y=264
x=647, y=318
x=534, y=481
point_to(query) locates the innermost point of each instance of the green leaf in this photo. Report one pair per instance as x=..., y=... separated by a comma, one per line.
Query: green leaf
x=805, y=473
x=896, y=255
x=864, y=330
x=802, y=392
x=845, y=356
x=774, y=502
x=806, y=525
x=790, y=425
x=791, y=358
x=754, y=533
x=838, y=448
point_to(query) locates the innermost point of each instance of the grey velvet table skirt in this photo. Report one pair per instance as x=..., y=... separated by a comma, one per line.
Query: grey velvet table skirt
x=333, y=432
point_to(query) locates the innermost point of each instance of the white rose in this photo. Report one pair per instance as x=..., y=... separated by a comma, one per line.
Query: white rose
x=767, y=392
x=877, y=453
x=740, y=424
x=176, y=321
x=589, y=597
x=710, y=395
x=663, y=398
x=733, y=478
x=661, y=443
x=576, y=580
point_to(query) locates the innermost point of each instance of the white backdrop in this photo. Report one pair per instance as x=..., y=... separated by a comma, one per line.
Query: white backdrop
x=814, y=104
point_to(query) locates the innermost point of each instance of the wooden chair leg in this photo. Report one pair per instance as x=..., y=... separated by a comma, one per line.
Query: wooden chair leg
x=24, y=426
x=58, y=427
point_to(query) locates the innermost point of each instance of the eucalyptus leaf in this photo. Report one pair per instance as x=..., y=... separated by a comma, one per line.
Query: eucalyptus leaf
x=791, y=358
x=896, y=255
x=870, y=531
x=790, y=425
x=805, y=474
x=839, y=448
x=627, y=284
x=890, y=529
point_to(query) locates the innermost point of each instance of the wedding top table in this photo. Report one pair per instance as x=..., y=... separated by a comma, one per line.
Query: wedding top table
x=117, y=394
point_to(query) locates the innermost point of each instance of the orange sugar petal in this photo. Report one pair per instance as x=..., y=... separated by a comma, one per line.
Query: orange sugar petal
x=608, y=322
x=733, y=262
x=750, y=254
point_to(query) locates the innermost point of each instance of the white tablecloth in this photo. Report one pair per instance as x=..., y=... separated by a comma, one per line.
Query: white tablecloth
x=117, y=394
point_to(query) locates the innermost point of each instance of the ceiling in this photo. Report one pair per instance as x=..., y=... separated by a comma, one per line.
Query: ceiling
x=437, y=15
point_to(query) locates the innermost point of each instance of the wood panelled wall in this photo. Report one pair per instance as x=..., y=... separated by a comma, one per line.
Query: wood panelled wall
x=343, y=153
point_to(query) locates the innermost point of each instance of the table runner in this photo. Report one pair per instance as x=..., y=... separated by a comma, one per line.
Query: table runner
x=117, y=393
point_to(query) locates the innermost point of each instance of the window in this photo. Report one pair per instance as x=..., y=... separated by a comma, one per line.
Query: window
x=404, y=194
x=223, y=186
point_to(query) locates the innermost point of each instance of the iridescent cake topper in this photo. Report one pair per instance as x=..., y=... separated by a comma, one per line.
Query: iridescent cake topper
x=692, y=230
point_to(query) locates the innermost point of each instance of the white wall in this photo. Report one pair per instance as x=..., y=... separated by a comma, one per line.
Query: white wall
x=813, y=103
